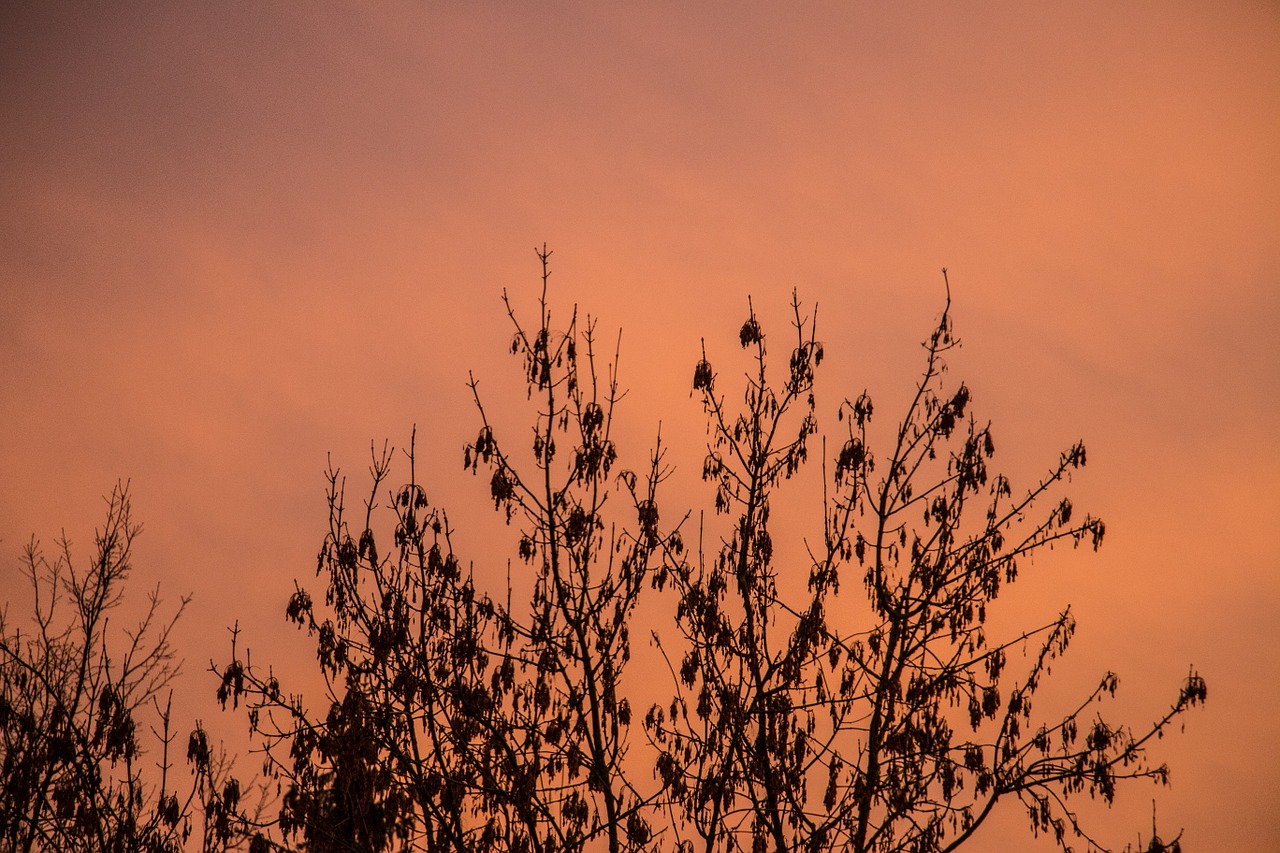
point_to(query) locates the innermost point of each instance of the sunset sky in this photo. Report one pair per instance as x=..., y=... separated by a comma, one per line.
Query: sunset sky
x=238, y=236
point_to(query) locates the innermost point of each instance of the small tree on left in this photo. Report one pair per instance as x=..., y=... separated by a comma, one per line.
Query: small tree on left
x=81, y=698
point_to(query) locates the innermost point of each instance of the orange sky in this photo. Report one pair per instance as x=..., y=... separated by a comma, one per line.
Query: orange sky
x=237, y=236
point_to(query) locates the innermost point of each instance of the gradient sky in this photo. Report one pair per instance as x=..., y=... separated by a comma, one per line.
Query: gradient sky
x=237, y=236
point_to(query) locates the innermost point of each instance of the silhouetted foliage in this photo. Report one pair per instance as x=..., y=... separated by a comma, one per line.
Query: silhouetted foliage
x=796, y=726
x=80, y=699
x=849, y=699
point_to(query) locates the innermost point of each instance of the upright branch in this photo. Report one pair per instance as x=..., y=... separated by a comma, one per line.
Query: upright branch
x=734, y=743
x=571, y=645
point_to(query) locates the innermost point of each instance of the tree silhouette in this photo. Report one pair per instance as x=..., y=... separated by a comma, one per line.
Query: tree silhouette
x=865, y=709
x=79, y=701
x=910, y=722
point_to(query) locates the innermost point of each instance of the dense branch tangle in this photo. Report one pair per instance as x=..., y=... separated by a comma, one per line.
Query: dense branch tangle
x=457, y=721
x=862, y=707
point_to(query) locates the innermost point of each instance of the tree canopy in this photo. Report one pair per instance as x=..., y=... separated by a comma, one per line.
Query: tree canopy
x=849, y=698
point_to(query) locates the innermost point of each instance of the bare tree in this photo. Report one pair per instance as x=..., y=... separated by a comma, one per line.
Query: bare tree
x=79, y=699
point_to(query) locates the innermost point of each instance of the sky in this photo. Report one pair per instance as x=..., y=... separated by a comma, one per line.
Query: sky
x=238, y=239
